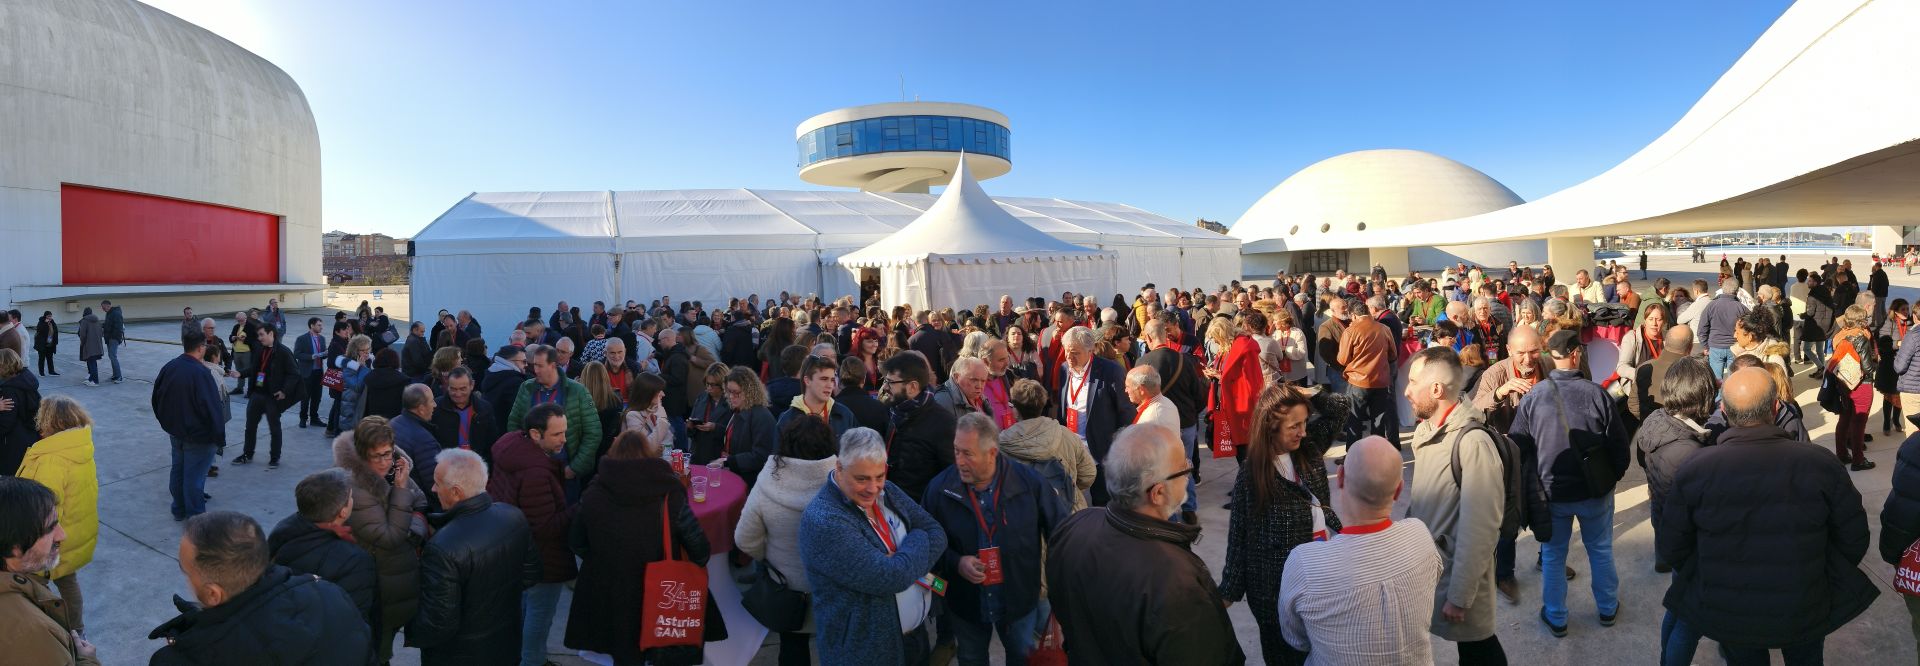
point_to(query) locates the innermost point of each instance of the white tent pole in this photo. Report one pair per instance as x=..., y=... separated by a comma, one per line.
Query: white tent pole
x=613, y=225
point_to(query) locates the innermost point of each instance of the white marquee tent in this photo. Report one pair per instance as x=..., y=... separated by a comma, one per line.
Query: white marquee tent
x=966, y=250
x=496, y=253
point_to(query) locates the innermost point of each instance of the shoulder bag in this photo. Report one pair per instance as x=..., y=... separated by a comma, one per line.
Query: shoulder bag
x=769, y=600
x=673, y=610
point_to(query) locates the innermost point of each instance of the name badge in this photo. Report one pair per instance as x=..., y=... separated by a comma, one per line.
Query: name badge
x=260, y=378
x=1073, y=420
x=933, y=583
x=990, y=558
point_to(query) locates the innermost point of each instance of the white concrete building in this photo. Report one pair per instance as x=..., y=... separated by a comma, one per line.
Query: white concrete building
x=150, y=161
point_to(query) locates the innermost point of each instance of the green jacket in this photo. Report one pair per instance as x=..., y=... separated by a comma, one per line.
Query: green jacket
x=583, y=422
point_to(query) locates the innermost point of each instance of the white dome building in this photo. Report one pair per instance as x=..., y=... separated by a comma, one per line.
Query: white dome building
x=1373, y=191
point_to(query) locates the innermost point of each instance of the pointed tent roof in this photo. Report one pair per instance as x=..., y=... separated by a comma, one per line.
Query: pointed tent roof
x=966, y=226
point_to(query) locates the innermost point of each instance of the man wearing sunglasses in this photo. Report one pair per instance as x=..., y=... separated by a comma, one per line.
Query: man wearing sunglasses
x=1151, y=591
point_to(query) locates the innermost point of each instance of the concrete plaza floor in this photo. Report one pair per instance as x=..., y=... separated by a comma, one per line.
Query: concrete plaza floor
x=135, y=572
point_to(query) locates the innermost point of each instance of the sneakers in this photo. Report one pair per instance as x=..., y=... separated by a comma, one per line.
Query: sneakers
x=1509, y=590
x=303, y=423
x=1559, y=630
x=1606, y=619
x=273, y=465
x=242, y=459
x=119, y=380
x=213, y=471
x=89, y=383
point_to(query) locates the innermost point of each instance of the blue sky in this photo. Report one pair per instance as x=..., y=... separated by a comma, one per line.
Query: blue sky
x=1185, y=109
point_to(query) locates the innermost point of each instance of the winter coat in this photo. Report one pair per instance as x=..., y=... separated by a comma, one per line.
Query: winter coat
x=617, y=534
x=919, y=447
x=855, y=580
x=1718, y=319
x=839, y=418
x=416, y=358
x=583, y=421
x=481, y=427
x=472, y=571
x=1258, y=542
x=1906, y=362
x=1900, y=516
x=93, y=342
x=769, y=527
x=1663, y=444
x=1056, y=454
x=694, y=385
x=871, y=413
x=421, y=441
x=385, y=524
x=502, y=388
x=353, y=395
x=186, y=401
x=383, y=390
x=1027, y=511
x=303, y=547
x=284, y=618
x=64, y=463
x=1128, y=589
x=675, y=368
x=750, y=440
x=1788, y=418
x=46, y=338
x=707, y=445
x=1765, y=535
x=1236, y=391
x=937, y=346
x=1816, y=323
x=1463, y=517
x=16, y=425
x=781, y=390
x=33, y=623
x=525, y=477
x=1589, y=414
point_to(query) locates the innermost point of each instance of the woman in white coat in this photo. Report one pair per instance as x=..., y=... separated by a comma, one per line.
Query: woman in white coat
x=769, y=527
x=1293, y=349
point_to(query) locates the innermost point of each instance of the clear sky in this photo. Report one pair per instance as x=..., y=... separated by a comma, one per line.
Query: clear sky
x=1185, y=109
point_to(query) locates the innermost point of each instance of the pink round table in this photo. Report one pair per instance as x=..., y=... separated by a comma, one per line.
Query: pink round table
x=721, y=511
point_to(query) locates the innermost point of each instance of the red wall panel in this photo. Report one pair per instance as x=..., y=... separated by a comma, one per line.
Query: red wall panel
x=113, y=237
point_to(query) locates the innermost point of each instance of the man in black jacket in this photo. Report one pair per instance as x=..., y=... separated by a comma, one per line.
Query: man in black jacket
x=871, y=413
x=502, y=385
x=310, y=540
x=936, y=345
x=674, y=366
x=472, y=571
x=1787, y=513
x=1092, y=400
x=1185, y=387
x=462, y=418
x=310, y=362
x=275, y=386
x=416, y=356
x=252, y=611
x=920, y=431
x=781, y=390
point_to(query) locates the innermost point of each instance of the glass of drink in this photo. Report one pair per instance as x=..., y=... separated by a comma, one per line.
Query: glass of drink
x=699, y=489
x=714, y=468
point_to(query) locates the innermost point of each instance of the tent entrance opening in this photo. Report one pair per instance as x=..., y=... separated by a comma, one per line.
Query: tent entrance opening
x=869, y=284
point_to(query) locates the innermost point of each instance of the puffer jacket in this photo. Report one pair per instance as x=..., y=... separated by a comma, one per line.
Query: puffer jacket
x=303, y=547
x=385, y=523
x=284, y=618
x=1900, y=516
x=527, y=478
x=64, y=463
x=1906, y=362
x=33, y=623
x=472, y=572
x=919, y=447
x=1053, y=451
x=1765, y=535
x=769, y=527
x=1664, y=443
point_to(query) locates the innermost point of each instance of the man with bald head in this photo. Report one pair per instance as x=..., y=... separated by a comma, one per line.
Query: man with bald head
x=1369, y=590
x=1788, y=513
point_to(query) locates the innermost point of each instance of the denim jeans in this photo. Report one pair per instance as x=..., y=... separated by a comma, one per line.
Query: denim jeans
x=113, y=357
x=972, y=640
x=1596, y=532
x=1678, y=642
x=537, y=606
x=93, y=370
x=1376, y=411
x=1190, y=438
x=187, y=480
x=1718, y=358
x=1810, y=653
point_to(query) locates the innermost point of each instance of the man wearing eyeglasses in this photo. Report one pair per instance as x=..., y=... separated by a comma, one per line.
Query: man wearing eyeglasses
x=1152, y=600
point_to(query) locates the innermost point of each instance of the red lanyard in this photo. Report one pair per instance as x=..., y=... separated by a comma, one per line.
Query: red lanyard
x=973, y=502
x=1142, y=411
x=1449, y=412
x=879, y=523
x=1649, y=344
x=1073, y=394
x=726, y=443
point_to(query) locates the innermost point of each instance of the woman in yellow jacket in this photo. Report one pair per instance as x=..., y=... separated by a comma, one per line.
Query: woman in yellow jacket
x=63, y=461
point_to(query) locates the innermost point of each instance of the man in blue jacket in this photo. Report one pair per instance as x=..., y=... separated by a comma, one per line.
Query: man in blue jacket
x=188, y=404
x=115, y=332
x=869, y=550
x=996, y=515
x=1717, y=320
x=1092, y=398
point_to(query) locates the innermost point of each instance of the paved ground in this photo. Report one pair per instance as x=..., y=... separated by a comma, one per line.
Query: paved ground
x=135, y=571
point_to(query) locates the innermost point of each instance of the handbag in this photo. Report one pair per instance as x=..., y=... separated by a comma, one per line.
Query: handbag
x=1050, y=649
x=769, y=600
x=1595, y=467
x=673, y=612
x=1906, y=575
x=389, y=336
x=333, y=380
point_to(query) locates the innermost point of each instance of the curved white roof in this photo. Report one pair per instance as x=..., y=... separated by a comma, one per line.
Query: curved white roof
x=1381, y=189
x=965, y=226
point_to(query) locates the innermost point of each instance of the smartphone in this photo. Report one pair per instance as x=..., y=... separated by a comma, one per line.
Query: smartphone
x=695, y=422
x=395, y=469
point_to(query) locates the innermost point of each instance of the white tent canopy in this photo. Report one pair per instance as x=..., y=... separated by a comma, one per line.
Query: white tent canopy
x=496, y=253
x=966, y=250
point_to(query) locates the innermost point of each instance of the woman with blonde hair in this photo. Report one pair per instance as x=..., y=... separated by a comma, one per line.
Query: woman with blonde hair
x=749, y=435
x=1853, y=363
x=63, y=461
x=355, y=366
x=445, y=359
x=708, y=413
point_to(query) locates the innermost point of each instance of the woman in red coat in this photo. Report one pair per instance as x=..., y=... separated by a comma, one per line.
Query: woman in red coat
x=1237, y=384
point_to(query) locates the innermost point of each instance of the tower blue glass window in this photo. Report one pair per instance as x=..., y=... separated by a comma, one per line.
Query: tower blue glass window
x=904, y=133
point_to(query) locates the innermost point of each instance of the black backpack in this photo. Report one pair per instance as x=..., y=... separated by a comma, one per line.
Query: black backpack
x=1526, y=499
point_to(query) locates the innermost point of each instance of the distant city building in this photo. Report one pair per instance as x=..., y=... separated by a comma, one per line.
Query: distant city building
x=343, y=244
x=1210, y=225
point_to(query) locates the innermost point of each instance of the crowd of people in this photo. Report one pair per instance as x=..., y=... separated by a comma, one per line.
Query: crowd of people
x=922, y=481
